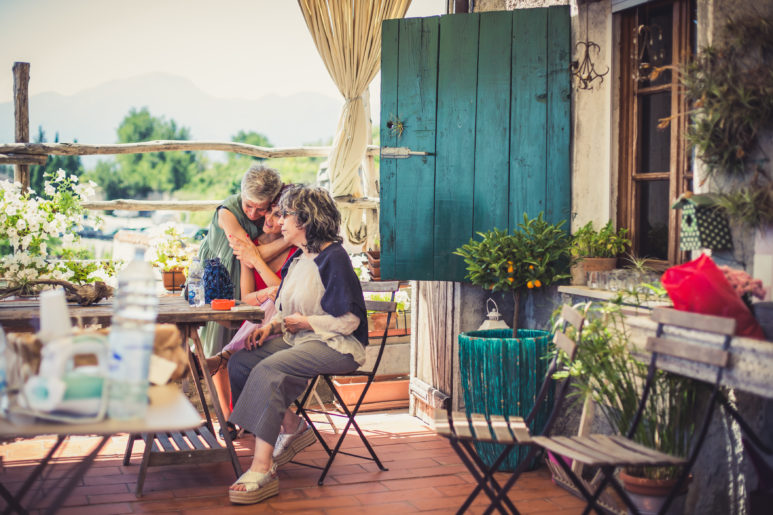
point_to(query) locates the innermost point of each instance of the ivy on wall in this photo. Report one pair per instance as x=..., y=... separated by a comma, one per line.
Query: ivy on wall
x=730, y=90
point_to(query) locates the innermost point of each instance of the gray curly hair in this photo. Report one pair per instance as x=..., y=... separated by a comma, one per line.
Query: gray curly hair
x=260, y=184
x=316, y=211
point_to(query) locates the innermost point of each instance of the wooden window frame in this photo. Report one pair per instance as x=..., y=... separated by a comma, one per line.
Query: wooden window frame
x=680, y=173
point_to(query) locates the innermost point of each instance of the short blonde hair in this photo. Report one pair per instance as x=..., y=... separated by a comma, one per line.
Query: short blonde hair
x=260, y=184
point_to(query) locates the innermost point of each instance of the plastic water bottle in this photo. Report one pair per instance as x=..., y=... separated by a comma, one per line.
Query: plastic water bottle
x=196, y=283
x=131, y=339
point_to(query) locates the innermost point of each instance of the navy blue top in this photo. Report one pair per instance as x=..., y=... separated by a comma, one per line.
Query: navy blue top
x=343, y=292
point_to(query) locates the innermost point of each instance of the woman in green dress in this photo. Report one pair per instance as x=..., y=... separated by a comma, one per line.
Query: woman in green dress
x=239, y=219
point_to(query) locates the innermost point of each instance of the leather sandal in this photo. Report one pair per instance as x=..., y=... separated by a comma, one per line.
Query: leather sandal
x=222, y=361
x=258, y=486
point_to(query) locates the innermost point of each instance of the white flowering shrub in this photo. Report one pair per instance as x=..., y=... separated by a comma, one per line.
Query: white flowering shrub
x=170, y=250
x=32, y=226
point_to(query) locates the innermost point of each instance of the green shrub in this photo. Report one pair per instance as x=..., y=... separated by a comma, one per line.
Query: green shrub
x=534, y=256
x=604, y=243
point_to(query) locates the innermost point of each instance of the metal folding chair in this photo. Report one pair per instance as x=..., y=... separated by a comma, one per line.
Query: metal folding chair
x=389, y=307
x=464, y=430
x=608, y=452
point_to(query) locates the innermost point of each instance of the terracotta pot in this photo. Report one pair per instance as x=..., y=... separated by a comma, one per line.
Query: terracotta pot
x=174, y=280
x=379, y=321
x=649, y=494
x=591, y=264
x=386, y=392
x=374, y=258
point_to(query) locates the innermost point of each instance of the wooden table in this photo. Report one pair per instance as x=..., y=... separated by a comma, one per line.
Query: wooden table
x=169, y=410
x=24, y=316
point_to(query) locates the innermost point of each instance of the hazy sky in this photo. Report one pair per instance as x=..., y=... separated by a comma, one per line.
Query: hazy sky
x=228, y=48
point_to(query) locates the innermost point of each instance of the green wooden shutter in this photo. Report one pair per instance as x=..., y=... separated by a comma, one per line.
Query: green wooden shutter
x=487, y=96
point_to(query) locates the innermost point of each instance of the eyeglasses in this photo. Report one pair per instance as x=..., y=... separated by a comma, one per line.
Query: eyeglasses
x=285, y=213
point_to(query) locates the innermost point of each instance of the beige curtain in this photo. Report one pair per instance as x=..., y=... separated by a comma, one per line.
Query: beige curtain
x=347, y=34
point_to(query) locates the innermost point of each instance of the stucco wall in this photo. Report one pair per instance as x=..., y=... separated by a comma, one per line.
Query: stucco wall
x=593, y=171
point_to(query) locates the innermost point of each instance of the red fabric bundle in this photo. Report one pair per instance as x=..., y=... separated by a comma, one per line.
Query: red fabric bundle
x=699, y=286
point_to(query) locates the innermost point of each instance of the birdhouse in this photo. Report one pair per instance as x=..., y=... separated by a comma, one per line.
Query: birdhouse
x=703, y=225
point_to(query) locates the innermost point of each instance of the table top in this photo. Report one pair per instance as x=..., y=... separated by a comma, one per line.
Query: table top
x=169, y=410
x=24, y=315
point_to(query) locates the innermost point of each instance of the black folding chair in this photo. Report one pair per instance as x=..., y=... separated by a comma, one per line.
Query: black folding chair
x=608, y=452
x=389, y=307
x=464, y=430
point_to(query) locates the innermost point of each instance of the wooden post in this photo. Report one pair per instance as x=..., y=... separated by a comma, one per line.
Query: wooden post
x=21, y=113
x=371, y=183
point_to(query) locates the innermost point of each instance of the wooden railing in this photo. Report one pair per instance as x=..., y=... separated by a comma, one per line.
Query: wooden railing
x=36, y=153
x=23, y=154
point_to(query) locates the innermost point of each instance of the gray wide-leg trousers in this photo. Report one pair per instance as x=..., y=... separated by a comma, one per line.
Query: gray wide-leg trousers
x=266, y=380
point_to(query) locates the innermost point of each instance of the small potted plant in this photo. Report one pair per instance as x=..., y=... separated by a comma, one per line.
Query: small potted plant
x=606, y=371
x=172, y=254
x=374, y=261
x=594, y=250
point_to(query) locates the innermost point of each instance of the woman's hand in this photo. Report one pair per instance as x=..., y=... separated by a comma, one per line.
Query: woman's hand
x=258, y=336
x=296, y=322
x=266, y=294
x=244, y=250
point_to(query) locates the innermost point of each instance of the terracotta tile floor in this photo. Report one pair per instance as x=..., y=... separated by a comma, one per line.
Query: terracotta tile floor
x=424, y=475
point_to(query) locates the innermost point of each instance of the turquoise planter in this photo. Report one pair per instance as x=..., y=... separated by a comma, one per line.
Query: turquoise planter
x=501, y=375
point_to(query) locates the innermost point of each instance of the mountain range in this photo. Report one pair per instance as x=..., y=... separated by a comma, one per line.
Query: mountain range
x=92, y=116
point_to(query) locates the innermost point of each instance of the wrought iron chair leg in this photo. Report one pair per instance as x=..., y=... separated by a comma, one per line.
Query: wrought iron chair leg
x=609, y=472
x=488, y=475
x=481, y=483
x=513, y=478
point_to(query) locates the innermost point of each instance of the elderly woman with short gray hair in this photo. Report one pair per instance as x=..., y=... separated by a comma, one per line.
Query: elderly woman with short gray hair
x=320, y=328
x=236, y=224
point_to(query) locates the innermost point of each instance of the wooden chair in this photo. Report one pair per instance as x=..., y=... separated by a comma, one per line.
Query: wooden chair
x=389, y=307
x=608, y=452
x=464, y=430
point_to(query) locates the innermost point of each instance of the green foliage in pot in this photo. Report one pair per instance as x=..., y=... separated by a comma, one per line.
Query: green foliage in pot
x=604, y=243
x=606, y=371
x=171, y=250
x=534, y=256
x=730, y=87
x=751, y=205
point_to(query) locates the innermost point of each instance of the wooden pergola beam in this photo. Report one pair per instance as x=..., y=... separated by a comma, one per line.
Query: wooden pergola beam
x=199, y=205
x=82, y=149
x=23, y=159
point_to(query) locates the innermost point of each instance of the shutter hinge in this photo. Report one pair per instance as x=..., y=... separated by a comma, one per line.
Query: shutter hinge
x=400, y=153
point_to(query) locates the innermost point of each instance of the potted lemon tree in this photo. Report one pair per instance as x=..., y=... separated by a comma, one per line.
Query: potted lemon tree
x=501, y=368
x=534, y=256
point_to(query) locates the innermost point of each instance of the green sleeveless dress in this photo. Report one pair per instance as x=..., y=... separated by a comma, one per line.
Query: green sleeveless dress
x=213, y=335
